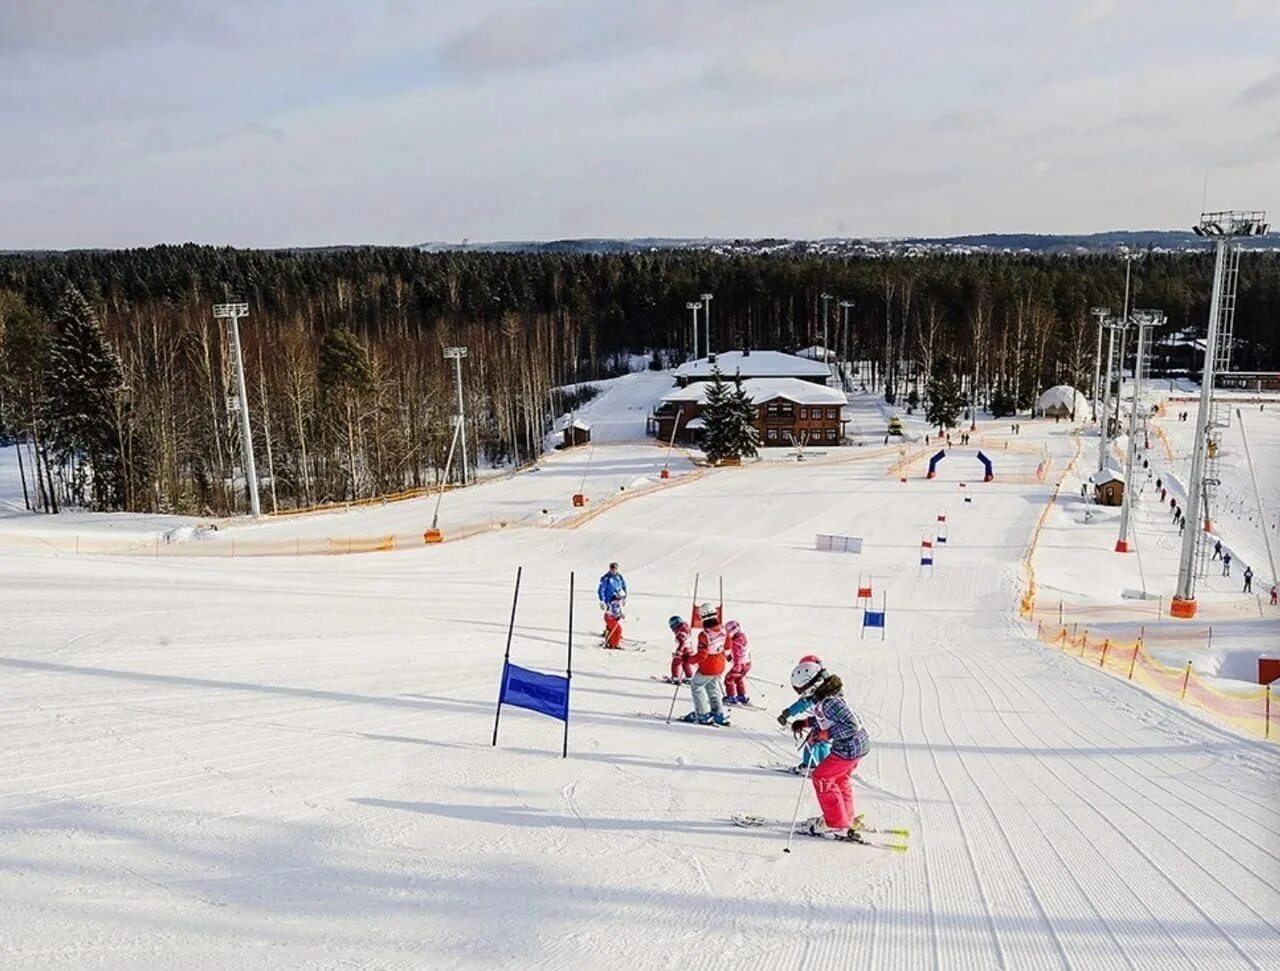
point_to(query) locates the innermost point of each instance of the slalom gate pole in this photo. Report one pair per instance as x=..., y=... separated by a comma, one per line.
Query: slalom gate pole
x=693, y=613
x=804, y=782
x=506, y=658
x=721, y=616
x=568, y=669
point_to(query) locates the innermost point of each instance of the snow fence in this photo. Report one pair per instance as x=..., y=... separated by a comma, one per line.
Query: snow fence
x=1246, y=708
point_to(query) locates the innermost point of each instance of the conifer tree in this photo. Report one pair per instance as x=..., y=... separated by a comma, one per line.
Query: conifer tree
x=945, y=400
x=718, y=417
x=85, y=379
x=745, y=437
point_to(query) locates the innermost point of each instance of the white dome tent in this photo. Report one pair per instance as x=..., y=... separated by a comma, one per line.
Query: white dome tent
x=1060, y=401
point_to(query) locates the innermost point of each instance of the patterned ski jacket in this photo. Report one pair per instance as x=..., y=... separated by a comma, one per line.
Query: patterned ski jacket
x=712, y=644
x=837, y=724
x=611, y=585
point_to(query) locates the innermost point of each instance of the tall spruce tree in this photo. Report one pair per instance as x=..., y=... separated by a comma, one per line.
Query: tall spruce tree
x=745, y=439
x=945, y=400
x=718, y=417
x=84, y=382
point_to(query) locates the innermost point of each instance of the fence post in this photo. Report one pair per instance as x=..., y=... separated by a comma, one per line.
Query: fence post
x=1084, y=642
x=1185, y=678
x=1266, y=731
x=1059, y=613
x=1102, y=662
x=1074, y=628
x=1039, y=628
x=1209, y=642
x=1134, y=661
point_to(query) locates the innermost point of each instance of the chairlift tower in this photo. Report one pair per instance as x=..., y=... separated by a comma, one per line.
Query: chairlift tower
x=1102, y=313
x=706, y=321
x=456, y=354
x=233, y=312
x=1113, y=326
x=1144, y=320
x=1226, y=229
x=846, y=306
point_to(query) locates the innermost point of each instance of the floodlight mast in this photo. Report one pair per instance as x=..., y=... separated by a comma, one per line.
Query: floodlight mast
x=826, y=353
x=233, y=312
x=1225, y=229
x=706, y=320
x=694, y=305
x=846, y=306
x=456, y=354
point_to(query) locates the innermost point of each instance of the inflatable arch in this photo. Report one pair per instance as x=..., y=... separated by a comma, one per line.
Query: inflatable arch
x=987, y=475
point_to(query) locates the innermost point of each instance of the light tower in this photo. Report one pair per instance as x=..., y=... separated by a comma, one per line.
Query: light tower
x=1144, y=320
x=694, y=305
x=1102, y=313
x=846, y=306
x=706, y=321
x=826, y=354
x=456, y=354
x=1226, y=229
x=233, y=312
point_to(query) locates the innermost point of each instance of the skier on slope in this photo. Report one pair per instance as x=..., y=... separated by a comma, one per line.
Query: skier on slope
x=814, y=749
x=710, y=658
x=735, y=681
x=833, y=717
x=613, y=625
x=686, y=647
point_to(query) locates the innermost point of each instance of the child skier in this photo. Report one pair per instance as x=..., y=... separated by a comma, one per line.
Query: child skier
x=682, y=656
x=835, y=720
x=613, y=625
x=705, y=685
x=814, y=749
x=735, y=682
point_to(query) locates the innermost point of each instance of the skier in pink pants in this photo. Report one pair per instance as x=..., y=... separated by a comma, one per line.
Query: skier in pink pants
x=836, y=723
x=735, y=682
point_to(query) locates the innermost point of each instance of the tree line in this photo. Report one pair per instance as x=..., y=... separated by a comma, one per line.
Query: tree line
x=116, y=378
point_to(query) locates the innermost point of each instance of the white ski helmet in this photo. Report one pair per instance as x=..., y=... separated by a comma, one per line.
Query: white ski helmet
x=806, y=676
x=708, y=612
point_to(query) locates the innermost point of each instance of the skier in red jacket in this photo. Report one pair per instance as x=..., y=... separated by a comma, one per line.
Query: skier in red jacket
x=710, y=661
x=682, y=656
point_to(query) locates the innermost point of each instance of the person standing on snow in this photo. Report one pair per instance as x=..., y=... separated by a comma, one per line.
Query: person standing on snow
x=1226, y=564
x=835, y=721
x=710, y=658
x=1248, y=579
x=735, y=682
x=682, y=656
x=612, y=585
x=613, y=625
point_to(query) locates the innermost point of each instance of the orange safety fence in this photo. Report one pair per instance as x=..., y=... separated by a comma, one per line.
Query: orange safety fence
x=1027, y=604
x=1246, y=708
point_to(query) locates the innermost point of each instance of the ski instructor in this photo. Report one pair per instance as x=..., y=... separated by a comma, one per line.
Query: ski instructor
x=612, y=585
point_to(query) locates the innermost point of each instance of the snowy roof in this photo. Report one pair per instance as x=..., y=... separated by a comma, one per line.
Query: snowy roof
x=581, y=425
x=766, y=364
x=766, y=389
x=1106, y=475
x=693, y=424
x=1062, y=396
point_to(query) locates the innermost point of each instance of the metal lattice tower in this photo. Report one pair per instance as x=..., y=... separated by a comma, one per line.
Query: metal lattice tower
x=1143, y=320
x=1226, y=229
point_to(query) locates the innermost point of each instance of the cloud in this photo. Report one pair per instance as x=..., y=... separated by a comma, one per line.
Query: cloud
x=1260, y=91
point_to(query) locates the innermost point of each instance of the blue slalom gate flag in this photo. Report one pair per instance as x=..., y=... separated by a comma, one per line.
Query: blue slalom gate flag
x=942, y=539
x=544, y=693
x=926, y=561
x=873, y=618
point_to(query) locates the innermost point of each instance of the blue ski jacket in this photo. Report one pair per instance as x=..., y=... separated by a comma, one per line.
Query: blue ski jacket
x=612, y=585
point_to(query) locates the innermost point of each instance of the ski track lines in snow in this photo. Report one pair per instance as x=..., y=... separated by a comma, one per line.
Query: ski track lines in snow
x=274, y=762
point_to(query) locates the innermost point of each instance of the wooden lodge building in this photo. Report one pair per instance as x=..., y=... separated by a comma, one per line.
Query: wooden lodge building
x=788, y=411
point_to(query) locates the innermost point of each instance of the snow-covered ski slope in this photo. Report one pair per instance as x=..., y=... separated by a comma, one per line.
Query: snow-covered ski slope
x=286, y=761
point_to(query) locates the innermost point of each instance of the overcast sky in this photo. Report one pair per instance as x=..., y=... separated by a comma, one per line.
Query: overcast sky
x=313, y=122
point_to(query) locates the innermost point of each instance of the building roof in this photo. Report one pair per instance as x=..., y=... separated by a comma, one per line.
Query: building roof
x=755, y=364
x=1106, y=475
x=581, y=425
x=766, y=389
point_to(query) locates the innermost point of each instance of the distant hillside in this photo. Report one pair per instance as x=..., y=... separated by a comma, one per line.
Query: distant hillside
x=1166, y=240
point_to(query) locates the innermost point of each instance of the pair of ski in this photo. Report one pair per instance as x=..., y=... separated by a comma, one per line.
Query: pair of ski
x=681, y=721
x=887, y=838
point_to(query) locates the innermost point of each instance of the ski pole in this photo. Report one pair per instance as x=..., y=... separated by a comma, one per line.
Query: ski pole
x=796, y=815
x=675, y=694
